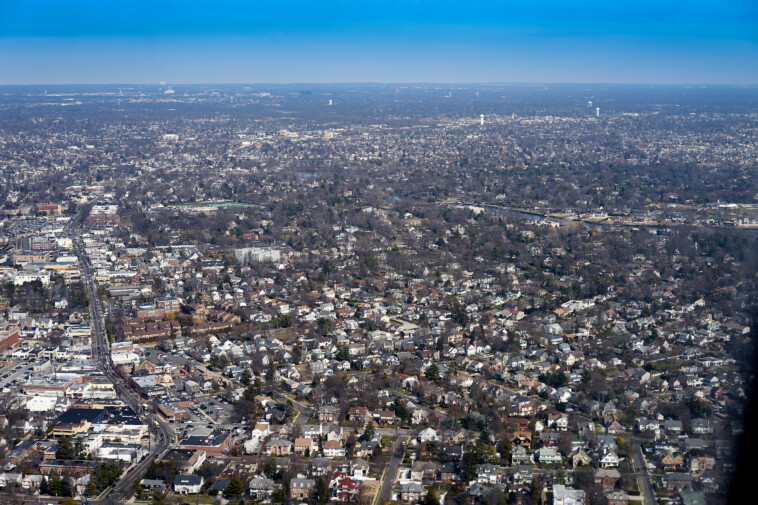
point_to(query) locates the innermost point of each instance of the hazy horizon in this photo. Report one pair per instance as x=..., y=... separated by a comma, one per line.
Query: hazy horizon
x=389, y=83
x=88, y=42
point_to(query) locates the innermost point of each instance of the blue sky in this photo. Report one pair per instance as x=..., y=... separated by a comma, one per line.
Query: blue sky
x=629, y=41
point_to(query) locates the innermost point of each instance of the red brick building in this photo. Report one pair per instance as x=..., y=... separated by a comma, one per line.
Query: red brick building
x=213, y=445
x=8, y=339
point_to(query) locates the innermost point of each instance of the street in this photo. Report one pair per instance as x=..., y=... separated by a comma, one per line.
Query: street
x=101, y=356
x=390, y=473
x=646, y=487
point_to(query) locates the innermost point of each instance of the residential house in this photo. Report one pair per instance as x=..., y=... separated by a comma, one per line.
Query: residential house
x=450, y=472
x=489, y=474
x=548, y=455
x=10, y=478
x=517, y=423
x=563, y=495
x=334, y=432
x=522, y=475
x=188, y=484
x=699, y=464
x=672, y=460
x=523, y=438
x=614, y=428
x=305, y=446
x=278, y=447
x=412, y=492
x=32, y=482
x=358, y=415
x=385, y=417
x=420, y=416
x=358, y=468
x=607, y=477
x=689, y=496
x=557, y=421
x=333, y=449
x=617, y=497
x=519, y=456
x=478, y=493
x=677, y=481
x=453, y=452
x=300, y=488
x=701, y=426
x=327, y=414
x=343, y=488
x=585, y=426
x=644, y=424
x=673, y=426
x=424, y=471
x=261, y=487
x=321, y=467
x=609, y=460
x=153, y=485
x=579, y=457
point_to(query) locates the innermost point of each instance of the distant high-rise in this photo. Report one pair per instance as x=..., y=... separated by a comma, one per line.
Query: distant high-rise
x=330, y=103
x=597, y=112
x=481, y=119
x=589, y=104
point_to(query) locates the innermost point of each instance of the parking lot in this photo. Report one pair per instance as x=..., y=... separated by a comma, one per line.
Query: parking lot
x=13, y=375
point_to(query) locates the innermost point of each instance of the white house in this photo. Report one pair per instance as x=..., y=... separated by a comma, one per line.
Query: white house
x=188, y=484
x=563, y=495
x=548, y=455
x=609, y=460
x=428, y=435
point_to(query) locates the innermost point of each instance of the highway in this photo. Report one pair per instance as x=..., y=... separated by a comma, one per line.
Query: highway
x=101, y=356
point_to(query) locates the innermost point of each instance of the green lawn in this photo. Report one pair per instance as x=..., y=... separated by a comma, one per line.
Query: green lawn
x=199, y=498
x=632, y=487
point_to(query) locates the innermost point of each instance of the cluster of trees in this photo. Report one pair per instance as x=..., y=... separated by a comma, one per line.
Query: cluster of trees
x=32, y=296
x=78, y=296
x=57, y=485
x=473, y=421
x=401, y=411
x=103, y=476
x=556, y=379
x=235, y=487
x=68, y=449
x=457, y=311
x=478, y=454
x=163, y=470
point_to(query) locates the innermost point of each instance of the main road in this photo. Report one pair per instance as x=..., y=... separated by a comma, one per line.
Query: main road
x=101, y=356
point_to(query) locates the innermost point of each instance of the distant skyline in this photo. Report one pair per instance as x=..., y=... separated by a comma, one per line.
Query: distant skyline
x=640, y=42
